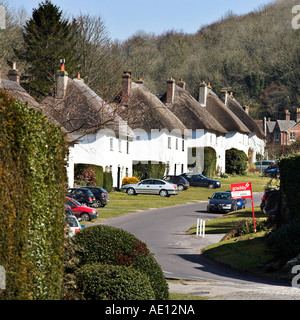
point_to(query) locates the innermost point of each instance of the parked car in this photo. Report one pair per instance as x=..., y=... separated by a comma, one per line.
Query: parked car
x=263, y=164
x=222, y=202
x=83, y=212
x=73, y=223
x=82, y=195
x=269, y=202
x=101, y=195
x=151, y=186
x=272, y=171
x=180, y=181
x=199, y=180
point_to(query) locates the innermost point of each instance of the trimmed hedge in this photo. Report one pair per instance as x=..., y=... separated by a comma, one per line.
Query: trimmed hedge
x=236, y=161
x=107, y=181
x=210, y=162
x=107, y=282
x=32, y=193
x=113, y=246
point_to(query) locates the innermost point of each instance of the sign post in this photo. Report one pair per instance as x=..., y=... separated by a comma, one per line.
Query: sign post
x=243, y=191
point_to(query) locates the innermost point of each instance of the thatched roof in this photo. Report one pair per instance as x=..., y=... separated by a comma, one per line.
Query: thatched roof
x=224, y=115
x=82, y=111
x=19, y=93
x=238, y=110
x=192, y=114
x=145, y=111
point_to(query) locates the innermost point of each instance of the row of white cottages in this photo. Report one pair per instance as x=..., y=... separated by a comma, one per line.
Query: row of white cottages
x=140, y=127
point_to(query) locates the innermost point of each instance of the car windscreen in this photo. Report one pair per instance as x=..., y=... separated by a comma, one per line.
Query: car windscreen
x=222, y=196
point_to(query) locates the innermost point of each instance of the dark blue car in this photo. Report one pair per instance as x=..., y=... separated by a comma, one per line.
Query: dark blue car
x=222, y=202
x=199, y=180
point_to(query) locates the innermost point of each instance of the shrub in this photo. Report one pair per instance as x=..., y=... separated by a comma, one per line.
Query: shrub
x=32, y=174
x=109, y=245
x=107, y=181
x=236, y=161
x=107, y=282
x=286, y=239
x=210, y=162
x=246, y=226
x=130, y=180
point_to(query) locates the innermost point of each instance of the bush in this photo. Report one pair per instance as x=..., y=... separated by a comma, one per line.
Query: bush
x=236, y=161
x=130, y=180
x=109, y=245
x=107, y=181
x=246, y=226
x=210, y=162
x=32, y=174
x=286, y=239
x=107, y=282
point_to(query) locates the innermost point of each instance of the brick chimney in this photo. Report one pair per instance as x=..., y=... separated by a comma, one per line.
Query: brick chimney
x=61, y=81
x=287, y=115
x=298, y=115
x=170, y=91
x=126, y=86
x=13, y=74
x=224, y=96
x=203, y=94
x=181, y=84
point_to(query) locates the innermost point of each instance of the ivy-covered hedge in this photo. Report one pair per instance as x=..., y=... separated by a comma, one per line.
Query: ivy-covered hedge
x=32, y=193
x=113, y=246
x=149, y=170
x=210, y=162
x=107, y=282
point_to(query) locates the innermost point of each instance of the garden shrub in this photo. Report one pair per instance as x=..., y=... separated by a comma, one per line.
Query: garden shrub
x=109, y=245
x=107, y=282
x=130, y=180
x=286, y=239
x=210, y=162
x=149, y=170
x=107, y=181
x=32, y=193
x=236, y=161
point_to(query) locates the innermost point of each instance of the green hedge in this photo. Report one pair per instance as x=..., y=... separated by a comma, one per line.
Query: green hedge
x=107, y=181
x=107, y=282
x=150, y=170
x=210, y=162
x=236, y=161
x=289, y=185
x=32, y=193
x=113, y=246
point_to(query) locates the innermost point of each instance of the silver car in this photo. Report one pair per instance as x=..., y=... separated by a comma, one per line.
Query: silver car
x=151, y=186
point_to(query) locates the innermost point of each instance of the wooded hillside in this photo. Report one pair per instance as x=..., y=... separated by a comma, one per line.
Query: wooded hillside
x=256, y=56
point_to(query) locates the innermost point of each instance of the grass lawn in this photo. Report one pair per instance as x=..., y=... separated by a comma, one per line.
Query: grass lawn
x=121, y=203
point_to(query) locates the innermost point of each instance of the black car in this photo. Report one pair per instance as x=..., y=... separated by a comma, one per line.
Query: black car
x=101, y=195
x=223, y=202
x=269, y=202
x=199, y=180
x=82, y=195
x=181, y=182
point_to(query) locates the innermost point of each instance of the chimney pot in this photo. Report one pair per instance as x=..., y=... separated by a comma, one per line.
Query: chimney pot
x=140, y=81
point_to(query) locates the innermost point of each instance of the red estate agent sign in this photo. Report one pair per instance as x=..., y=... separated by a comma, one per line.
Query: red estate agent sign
x=243, y=191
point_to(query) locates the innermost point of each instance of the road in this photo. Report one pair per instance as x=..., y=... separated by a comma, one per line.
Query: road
x=164, y=232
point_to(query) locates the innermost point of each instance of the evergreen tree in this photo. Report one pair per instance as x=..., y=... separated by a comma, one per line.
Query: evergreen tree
x=48, y=38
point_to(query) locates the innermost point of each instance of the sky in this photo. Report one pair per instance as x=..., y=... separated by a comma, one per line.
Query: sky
x=124, y=18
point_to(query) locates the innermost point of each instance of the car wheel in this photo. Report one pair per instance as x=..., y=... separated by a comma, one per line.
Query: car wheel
x=131, y=192
x=210, y=186
x=180, y=187
x=97, y=204
x=163, y=193
x=85, y=217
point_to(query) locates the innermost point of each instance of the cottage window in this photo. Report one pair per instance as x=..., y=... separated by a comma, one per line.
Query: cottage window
x=127, y=148
x=111, y=142
x=182, y=145
x=292, y=136
x=169, y=143
x=276, y=136
x=120, y=146
x=176, y=144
